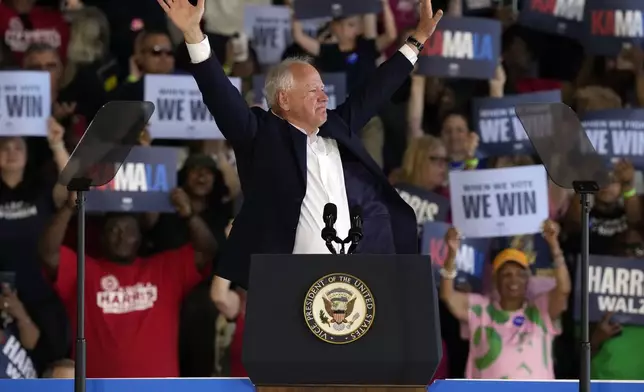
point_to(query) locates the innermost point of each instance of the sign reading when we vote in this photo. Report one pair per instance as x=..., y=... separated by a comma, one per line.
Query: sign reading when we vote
x=615, y=284
x=462, y=48
x=612, y=24
x=180, y=112
x=499, y=202
x=25, y=103
x=562, y=17
x=617, y=133
x=142, y=184
x=500, y=130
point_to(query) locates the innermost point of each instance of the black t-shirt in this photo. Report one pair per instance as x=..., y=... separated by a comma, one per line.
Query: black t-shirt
x=357, y=64
x=15, y=360
x=24, y=212
x=605, y=226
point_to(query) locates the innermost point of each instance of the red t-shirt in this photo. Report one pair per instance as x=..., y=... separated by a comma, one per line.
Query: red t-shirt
x=132, y=311
x=47, y=26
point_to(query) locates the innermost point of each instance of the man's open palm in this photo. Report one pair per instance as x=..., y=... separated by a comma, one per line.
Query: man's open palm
x=183, y=14
x=428, y=19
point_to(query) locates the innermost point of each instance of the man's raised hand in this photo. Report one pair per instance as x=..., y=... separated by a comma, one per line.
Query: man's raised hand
x=186, y=17
x=428, y=21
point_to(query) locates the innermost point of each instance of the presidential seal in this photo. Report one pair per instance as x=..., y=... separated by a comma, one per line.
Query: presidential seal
x=339, y=308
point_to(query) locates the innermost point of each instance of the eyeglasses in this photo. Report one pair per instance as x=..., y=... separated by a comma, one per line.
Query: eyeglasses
x=158, y=51
x=42, y=67
x=443, y=160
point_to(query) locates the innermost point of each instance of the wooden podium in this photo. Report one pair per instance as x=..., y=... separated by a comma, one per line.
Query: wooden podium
x=341, y=323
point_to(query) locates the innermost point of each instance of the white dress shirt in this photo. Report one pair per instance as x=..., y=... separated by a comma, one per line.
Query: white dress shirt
x=324, y=177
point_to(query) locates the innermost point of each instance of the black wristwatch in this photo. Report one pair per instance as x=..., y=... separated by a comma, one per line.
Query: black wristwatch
x=413, y=41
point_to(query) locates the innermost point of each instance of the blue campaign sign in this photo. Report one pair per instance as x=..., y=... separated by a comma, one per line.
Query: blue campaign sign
x=142, y=184
x=428, y=206
x=562, y=17
x=462, y=48
x=335, y=86
x=535, y=247
x=617, y=133
x=470, y=258
x=500, y=130
x=615, y=284
x=611, y=25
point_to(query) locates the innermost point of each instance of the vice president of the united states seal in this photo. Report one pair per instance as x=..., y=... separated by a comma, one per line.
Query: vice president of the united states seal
x=339, y=308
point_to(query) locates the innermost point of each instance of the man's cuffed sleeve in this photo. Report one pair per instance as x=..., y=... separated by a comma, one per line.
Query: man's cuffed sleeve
x=199, y=52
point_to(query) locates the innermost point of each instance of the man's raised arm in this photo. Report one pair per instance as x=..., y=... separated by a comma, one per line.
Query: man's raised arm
x=363, y=103
x=234, y=118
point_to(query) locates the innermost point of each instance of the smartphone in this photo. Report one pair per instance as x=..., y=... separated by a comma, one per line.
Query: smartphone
x=8, y=278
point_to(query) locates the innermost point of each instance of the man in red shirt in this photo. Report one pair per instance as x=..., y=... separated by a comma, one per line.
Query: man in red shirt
x=22, y=24
x=132, y=303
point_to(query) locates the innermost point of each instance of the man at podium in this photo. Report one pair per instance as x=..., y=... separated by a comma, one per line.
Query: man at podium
x=299, y=156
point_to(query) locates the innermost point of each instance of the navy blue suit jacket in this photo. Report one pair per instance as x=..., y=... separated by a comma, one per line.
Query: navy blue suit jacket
x=271, y=161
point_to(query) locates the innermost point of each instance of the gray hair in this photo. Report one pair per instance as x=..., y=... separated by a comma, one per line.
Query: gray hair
x=280, y=78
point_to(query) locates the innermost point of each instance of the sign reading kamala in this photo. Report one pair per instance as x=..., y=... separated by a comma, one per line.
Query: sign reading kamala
x=180, y=112
x=617, y=133
x=462, y=48
x=563, y=17
x=470, y=258
x=612, y=24
x=310, y=9
x=142, y=184
x=616, y=285
x=25, y=103
x=500, y=130
x=335, y=86
x=499, y=202
x=428, y=206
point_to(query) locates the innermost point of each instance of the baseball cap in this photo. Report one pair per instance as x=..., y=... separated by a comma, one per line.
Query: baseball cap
x=510, y=255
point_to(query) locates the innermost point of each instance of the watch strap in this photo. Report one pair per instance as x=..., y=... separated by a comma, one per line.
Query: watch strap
x=416, y=43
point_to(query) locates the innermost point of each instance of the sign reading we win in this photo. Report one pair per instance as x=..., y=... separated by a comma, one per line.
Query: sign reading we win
x=499, y=202
x=617, y=133
x=25, y=103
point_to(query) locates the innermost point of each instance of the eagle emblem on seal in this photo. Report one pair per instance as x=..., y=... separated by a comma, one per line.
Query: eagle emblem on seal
x=338, y=309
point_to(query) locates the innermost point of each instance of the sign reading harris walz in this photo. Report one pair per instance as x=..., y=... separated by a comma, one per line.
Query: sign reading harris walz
x=617, y=133
x=462, y=48
x=563, y=17
x=142, y=184
x=616, y=285
x=610, y=25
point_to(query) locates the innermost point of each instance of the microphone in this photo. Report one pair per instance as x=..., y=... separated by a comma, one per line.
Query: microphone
x=355, y=232
x=329, y=215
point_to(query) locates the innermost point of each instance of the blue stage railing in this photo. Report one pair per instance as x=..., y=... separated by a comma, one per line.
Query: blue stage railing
x=244, y=385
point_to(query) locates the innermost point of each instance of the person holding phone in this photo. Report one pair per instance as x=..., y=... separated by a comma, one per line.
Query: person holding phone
x=19, y=335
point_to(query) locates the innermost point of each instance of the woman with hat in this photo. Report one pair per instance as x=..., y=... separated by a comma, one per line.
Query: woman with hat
x=510, y=334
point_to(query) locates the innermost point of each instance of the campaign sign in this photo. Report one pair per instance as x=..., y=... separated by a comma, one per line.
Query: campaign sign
x=615, y=284
x=180, y=112
x=477, y=6
x=499, y=202
x=617, y=133
x=25, y=103
x=269, y=30
x=610, y=25
x=428, y=206
x=561, y=17
x=335, y=86
x=142, y=184
x=462, y=48
x=500, y=130
x=537, y=250
x=470, y=258
x=310, y=9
